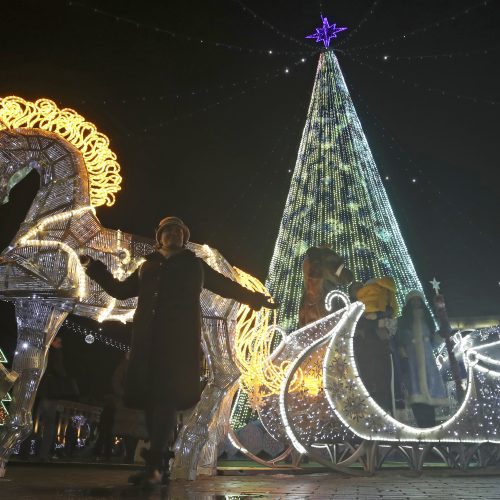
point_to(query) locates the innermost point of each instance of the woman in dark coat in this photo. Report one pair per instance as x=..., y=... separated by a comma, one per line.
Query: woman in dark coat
x=164, y=370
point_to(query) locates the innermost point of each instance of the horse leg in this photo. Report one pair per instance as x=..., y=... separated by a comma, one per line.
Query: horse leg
x=208, y=425
x=37, y=324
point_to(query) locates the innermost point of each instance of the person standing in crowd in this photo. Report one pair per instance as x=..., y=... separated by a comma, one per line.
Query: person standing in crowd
x=55, y=385
x=414, y=339
x=163, y=376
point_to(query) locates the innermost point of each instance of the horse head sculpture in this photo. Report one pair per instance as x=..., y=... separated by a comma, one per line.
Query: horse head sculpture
x=41, y=274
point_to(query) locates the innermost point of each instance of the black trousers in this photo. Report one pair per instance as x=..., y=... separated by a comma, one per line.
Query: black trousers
x=160, y=421
x=373, y=359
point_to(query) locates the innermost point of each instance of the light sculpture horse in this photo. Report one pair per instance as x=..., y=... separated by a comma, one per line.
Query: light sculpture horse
x=41, y=274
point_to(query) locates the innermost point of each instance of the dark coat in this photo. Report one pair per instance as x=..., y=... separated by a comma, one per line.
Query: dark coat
x=166, y=344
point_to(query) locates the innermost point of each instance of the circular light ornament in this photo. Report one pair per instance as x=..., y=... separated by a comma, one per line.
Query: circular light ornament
x=89, y=338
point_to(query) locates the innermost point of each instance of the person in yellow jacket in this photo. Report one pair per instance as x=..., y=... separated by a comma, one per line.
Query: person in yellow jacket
x=371, y=343
x=379, y=297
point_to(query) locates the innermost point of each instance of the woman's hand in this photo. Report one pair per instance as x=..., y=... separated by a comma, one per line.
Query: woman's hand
x=85, y=260
x=269, y=303
x=264, y=301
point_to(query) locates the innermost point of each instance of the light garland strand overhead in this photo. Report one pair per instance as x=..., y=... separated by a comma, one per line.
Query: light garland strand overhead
x=280, y=33
x=417, y=85
x=245, y=84
x=181, y=36
x=422, y=57
x=91, y=335
x=101, y=163
x=365, y=18
x=280, y=73
x=433, y=25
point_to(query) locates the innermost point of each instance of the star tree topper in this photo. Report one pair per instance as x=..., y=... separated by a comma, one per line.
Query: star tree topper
x=326, y=32
x=435, y=284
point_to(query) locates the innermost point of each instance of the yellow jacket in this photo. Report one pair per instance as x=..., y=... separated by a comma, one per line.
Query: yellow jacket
x=379, y=295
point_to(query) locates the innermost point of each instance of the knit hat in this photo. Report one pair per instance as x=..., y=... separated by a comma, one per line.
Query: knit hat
x=169, y=221
x=412, y=294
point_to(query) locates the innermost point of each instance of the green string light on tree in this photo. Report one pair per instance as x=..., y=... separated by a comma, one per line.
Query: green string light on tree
x=336, y=198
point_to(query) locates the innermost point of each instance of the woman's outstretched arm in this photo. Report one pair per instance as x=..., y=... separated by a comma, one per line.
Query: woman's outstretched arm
x=121, y=290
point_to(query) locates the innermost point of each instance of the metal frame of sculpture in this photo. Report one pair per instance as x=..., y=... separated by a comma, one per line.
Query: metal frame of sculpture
x=41, y=274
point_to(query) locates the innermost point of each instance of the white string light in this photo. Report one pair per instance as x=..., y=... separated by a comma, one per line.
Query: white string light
x=433, y=25
x=181, y=36
x=91, y=333
x=365, y=18
x=272, y=27
x=422, y=57
x=336, y=198
x=414, y=84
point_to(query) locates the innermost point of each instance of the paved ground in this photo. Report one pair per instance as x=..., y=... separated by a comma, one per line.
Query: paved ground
x=27, y=482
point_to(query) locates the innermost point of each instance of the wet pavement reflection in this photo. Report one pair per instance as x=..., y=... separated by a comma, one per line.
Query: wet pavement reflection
x=37, y=481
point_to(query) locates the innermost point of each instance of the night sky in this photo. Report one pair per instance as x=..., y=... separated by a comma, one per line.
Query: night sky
x=206, y=122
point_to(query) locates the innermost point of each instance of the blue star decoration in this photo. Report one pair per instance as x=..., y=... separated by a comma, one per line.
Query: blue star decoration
x=326, y=32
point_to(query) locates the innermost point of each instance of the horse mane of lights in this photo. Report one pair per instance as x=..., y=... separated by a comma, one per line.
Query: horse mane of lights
x=102, y=167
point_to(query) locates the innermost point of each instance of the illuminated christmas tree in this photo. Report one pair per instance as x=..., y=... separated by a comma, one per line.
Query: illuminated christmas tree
x=7, y=398
x=336, y=198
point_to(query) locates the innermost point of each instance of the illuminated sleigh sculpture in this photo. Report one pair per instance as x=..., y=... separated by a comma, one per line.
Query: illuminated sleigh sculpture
x=41, y=274
x=339, y=424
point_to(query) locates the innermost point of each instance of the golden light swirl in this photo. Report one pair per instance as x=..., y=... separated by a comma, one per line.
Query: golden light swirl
x=253, y=345
x=102, y=167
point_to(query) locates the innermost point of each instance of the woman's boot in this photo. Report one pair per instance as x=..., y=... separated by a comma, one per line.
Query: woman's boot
x=138, y=477
x=167, y=456
x=153, y=470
